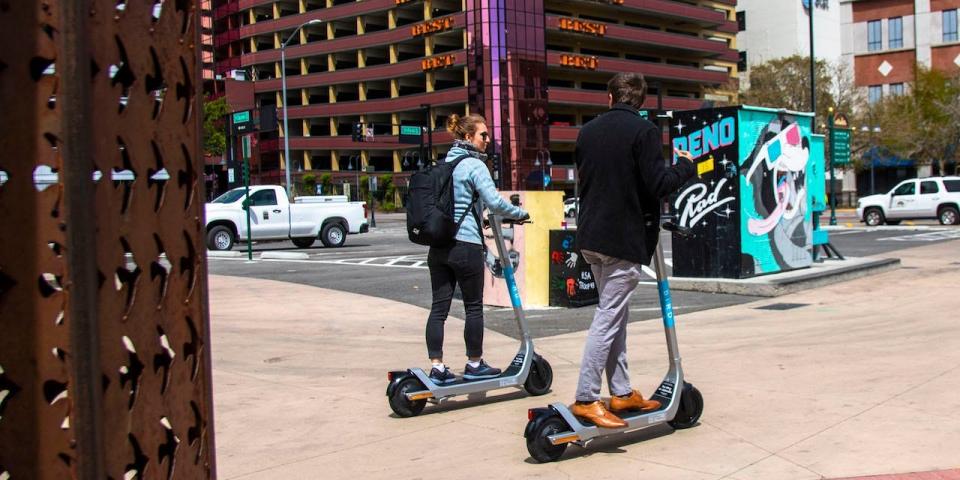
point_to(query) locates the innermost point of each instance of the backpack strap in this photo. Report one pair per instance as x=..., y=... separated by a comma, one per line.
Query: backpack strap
x=473, y=201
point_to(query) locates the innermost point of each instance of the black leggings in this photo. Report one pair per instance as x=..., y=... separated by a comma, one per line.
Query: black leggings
x=460, y=264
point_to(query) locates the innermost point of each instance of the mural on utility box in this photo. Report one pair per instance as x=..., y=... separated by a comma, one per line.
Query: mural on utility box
x=777, y=225
x=750, y=205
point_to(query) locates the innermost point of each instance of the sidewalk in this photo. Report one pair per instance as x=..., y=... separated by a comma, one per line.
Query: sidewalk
x=862, y=380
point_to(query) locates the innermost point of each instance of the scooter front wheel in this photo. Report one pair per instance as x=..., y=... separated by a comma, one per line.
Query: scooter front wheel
x=538, y=443
x=540, y=378
x=403, y=406
x=691, y=407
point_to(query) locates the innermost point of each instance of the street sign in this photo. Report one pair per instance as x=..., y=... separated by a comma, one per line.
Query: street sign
x=411, y=134
x=242, y=122
x=840, y=146
x=373, y=183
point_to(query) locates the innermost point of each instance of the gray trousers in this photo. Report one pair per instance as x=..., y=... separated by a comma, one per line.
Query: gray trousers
x=606, y=346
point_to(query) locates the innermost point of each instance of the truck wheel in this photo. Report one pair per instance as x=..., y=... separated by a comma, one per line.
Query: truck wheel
x=220, y=238
x=304, y=242
x=333, y=235
x=873, y=216
x=948, y=215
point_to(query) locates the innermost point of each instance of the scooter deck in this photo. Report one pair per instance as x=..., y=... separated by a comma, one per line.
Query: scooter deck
x=629, y=414
x=511, y=371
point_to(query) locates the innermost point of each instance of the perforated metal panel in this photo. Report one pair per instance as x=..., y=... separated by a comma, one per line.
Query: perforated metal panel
x=104, y=359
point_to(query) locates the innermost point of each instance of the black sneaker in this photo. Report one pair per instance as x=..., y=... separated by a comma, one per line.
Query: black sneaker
x=441, y=377
x=482, y=371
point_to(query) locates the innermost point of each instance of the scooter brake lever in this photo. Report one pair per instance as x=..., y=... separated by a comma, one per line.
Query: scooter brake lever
x=682, y=231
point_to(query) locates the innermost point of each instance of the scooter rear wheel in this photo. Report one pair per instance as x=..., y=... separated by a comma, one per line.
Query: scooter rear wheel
x=540, y=377
x=691, y=407
x=403, y=406
x=538, y=443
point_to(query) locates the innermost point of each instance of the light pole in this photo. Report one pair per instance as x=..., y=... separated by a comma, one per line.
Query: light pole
x=429, y=127
x=547, y=164
x=813, y=76
x=283, y=86
x=873, y=152
x=350, y=167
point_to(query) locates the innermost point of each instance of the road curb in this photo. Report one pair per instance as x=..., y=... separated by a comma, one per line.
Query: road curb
x=284, y=256
x=775, y=285
x=224, y=253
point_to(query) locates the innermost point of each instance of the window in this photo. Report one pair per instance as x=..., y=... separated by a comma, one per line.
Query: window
x=928, y=187
x=908, y=188
x=874, y=93
x=895, y=32
x=950, y=25
x=263, y=197
x=896, y=89
x=952, y=186
x=742, y=63
x=874, y=35
x=741, y=21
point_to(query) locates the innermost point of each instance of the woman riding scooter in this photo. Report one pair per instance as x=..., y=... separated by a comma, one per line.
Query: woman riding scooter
x=463, y=262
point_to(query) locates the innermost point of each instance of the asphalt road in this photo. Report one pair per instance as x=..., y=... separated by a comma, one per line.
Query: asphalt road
x=383, y=263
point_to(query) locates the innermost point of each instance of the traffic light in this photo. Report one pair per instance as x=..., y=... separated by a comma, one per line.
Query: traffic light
x=358, y=132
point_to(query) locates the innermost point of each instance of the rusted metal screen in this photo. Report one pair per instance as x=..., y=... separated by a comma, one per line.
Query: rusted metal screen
x=104, y=353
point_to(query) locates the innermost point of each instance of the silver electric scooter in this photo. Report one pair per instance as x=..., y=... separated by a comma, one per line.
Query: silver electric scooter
x=409, y=391
x=549, y=430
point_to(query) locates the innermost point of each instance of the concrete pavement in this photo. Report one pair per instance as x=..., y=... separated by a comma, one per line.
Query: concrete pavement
x=861, y=379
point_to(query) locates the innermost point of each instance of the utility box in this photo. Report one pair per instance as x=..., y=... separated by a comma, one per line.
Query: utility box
x=750, y=207
x=571, y=279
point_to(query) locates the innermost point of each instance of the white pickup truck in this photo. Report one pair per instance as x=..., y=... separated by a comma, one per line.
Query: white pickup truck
x=933, y=197
x=273, y=217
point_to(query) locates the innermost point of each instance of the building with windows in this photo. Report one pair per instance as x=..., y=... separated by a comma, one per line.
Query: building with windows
x=885, y=39
x=768, y=30
x=536, y=69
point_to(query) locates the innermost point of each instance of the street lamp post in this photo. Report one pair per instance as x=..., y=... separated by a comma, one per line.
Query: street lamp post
x=283, y=87
x=547, y=164
x=350, y=167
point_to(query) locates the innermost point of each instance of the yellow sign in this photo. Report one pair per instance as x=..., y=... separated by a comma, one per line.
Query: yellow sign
x=579, y=61
x=705, y=166
x=432, y=26
x=440, y=61
x=840, y=120
x=581, y=26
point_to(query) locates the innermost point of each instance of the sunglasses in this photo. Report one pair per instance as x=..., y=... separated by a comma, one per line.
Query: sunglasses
x=484, y=135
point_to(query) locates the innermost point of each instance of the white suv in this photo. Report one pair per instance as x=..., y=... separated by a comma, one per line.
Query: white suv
x=934, y=197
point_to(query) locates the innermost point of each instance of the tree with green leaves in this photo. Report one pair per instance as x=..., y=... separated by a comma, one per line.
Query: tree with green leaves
x=214, y=136
x=923, y=124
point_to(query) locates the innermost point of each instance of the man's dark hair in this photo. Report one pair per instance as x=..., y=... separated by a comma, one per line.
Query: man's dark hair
x=628, y=88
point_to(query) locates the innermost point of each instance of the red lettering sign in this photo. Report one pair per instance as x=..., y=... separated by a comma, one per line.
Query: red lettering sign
x=580, y=26
x=579, y=61
x=431, y=26
x=441, y=61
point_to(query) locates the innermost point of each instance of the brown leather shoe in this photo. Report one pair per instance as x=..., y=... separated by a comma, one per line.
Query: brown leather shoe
x=597, y=413
x=633, y=402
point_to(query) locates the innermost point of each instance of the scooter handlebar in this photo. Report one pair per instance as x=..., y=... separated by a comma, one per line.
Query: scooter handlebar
x=682, y=231
x=508, y=221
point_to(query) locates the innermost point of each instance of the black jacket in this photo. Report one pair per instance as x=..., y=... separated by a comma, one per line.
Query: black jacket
x=623, y=180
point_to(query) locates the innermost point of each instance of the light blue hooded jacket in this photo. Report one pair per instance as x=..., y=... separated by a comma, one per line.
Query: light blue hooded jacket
x=471, y=175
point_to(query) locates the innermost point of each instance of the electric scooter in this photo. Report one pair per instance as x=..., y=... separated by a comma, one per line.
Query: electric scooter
x=409, y=391
x=550, y=429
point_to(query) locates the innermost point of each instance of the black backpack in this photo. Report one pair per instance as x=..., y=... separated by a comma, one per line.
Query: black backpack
x=430, y=205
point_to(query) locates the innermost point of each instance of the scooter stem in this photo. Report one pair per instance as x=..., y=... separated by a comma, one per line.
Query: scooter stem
x=495, y=224
x=666, y=306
